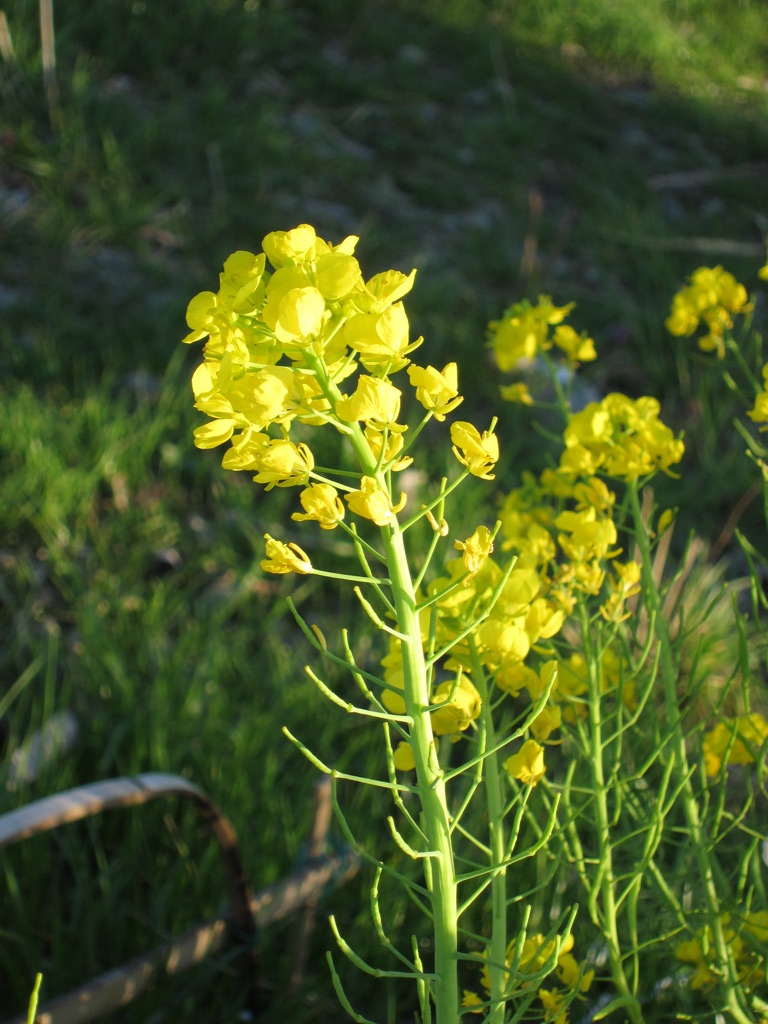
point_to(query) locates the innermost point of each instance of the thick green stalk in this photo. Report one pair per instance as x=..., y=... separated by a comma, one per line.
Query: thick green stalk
x=732, y=990
x=436, y=824
x=497, y=950
x=435, y=816
x=429, y=775
x=606, y=918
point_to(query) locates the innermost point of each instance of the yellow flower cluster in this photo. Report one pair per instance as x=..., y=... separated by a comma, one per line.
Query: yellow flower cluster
x=619, y=437
x=456, y=703
x=747, y=938
x=736, y=740
x=524, y=331
x=759, y=411
x=710, y=298
x=519, y=618
x=280, y=344
x=561, y=525
x=534, y=956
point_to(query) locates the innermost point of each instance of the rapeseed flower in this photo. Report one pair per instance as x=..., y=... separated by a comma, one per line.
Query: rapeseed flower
x=475, y=549
x=294, y=310
x=375, y=400
x=281, y=463
x=437, y=390
x=372, y=502
x=738, y=739
x=283, y=558
x=555, y=1006
x=241, y=292
x=478, y=452
x=527, y=765
x=460, y=707
x=546, y=722
x=759, y=411
x=321, y=503
x=619, y=437
x=381, y=339
x=523, y=331
x=517, y=393
x=391, y=441
x=709, y=298
x=578, y=347
x=384, y=289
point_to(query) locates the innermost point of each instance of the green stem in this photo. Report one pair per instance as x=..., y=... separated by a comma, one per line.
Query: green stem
x=497, y=950
x=436, y=822
x=606, y=918
x=431, y=784
x=734, y=995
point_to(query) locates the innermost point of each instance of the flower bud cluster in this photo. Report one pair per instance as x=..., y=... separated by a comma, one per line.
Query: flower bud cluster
x=710, y=298
x=310, y=342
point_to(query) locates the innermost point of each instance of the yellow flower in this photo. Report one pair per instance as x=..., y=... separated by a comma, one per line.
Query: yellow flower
x=321, y=503
x=625, y=585
x=710, y=297
x=384, y=289
x=512, y=679
x=585, y=537
x=548, y=719
x=457, y=714
x=374, y=400
x=555, y=1008
x=337, y=274
x=543, y=620
x=394, y=676
x=504, y=641
x=283, y=464
x=476, y=549
x=578, y=347
x=527, y=764
x=436, y=390
x=568, y=971
x=394, y=443
x=750, y=731
x=691, y=952
x=245, y=451
x=212, y=434
x=372, y=502
x=282, y=558
x=471, y=1001
x=666, y=519
x=517, y=393
x=403, y=757
x=382, y=339
x=619, y=437
x=759, y=411
x=284, y=248
x=241, y=290
x=571, y=680
x=294, y=310
x=478, y=452
x=522, y=331
x=223, y=391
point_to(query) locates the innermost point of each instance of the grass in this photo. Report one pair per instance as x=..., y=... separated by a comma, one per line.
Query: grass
x=593, y=151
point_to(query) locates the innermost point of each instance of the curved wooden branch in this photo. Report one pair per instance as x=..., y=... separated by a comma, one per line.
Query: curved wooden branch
x=83, y=801
x=120, y=986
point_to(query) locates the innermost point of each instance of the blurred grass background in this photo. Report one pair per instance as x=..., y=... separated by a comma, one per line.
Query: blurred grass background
x=595, y=151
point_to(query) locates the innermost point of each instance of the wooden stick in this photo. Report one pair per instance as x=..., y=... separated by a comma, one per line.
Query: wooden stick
x=118, y=987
